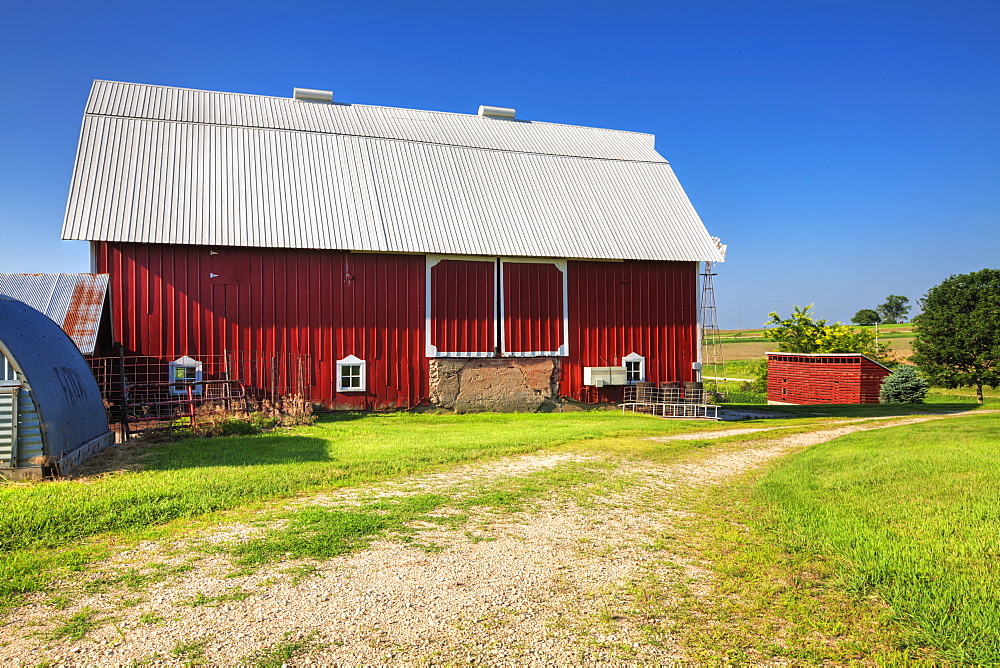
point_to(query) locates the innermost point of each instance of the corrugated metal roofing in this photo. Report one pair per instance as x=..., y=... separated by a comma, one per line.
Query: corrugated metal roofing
x=128, y=100
x=72, y=301
x=164, y=165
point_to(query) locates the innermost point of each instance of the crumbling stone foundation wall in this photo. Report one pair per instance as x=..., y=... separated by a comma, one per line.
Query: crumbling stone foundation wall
x=514, y=384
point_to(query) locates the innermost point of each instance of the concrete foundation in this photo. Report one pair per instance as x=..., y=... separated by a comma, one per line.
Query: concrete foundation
x=519, y=385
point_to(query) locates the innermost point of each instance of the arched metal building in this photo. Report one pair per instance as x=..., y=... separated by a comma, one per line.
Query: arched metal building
x=51, y=413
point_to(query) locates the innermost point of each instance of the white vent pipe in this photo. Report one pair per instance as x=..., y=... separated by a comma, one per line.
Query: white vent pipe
x=313, y=95
x=496, y=112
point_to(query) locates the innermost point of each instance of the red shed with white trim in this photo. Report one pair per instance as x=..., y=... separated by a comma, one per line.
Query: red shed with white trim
x=474, y=262
x=823, y=378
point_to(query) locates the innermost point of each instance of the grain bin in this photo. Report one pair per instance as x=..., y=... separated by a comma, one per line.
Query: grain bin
x=52, y=417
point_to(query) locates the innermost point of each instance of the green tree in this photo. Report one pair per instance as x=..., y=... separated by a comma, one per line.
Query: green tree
x=957, y=341
x=894, y=309
x=802, y=334
x=866, y=316
x=903, y=386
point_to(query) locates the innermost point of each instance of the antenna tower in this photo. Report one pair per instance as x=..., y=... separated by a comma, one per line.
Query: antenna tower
x=711, y=348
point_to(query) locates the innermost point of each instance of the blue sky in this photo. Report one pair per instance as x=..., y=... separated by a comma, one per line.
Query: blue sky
x=843, y=150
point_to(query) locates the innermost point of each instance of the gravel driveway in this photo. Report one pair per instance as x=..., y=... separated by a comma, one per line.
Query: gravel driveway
x=539, y=586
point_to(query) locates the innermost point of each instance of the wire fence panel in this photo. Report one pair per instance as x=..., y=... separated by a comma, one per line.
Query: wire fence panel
x=142, y=392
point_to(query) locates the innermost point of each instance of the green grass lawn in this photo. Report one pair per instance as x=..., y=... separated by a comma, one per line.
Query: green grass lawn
x=53, y=525
x=909, y=514
x=807, y=551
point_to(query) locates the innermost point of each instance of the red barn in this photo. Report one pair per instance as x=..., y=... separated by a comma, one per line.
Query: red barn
x=470, y=261
x=823, y=378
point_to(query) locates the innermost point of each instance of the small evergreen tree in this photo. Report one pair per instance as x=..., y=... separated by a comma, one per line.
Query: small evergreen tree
x=903, y=386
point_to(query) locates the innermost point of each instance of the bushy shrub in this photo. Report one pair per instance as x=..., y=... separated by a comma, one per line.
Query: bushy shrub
x=745, y=397
x=759, y=373
x=903, y=386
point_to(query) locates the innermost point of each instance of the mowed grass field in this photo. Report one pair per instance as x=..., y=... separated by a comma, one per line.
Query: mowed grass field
x=909, y=514
x=49, y=528
x=886, y=536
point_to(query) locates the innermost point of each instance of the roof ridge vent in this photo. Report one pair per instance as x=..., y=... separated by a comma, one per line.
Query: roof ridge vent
x=313, y=95
x=496, y=112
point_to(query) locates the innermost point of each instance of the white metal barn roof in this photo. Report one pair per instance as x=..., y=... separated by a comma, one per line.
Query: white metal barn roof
x=169, y=165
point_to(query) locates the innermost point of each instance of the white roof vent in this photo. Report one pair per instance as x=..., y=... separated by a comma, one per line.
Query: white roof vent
x=313, y=95
x=496, y=112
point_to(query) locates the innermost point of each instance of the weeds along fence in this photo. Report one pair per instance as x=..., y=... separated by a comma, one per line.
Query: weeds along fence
x=142, y=392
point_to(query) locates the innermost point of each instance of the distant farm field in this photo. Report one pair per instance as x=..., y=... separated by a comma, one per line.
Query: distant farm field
x=898, y=337
x=746, y=351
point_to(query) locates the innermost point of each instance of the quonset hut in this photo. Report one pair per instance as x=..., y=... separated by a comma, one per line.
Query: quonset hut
x=51, y=414
x=470, y=261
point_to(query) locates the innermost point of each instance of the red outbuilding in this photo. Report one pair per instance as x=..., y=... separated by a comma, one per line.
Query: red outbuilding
x=823, y=378
x=402, y=257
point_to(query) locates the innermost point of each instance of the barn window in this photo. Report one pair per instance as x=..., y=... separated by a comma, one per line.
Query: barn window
x=351, y=374
x=185, y=372
x=635, y=367
x=7, y=373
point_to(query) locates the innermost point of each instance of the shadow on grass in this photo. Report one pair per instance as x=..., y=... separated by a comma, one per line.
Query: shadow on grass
x=236, y=451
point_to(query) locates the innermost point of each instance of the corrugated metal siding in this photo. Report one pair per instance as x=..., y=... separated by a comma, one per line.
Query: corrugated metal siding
x=325, y=304
x=29, y=430
x=818, y=379
x=131, y=100
x=533, y=307
x=156, y=182
x=73, y=301
x=63, y=389
x=462, y=307
x=617, y=308
x=8, y=427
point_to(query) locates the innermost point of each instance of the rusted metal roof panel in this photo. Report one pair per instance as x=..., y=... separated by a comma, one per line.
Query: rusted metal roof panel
x=73, y=301
x=156, y=181
x=165, y=103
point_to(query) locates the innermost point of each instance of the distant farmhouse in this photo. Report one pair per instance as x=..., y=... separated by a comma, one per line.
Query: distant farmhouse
x=470, y=261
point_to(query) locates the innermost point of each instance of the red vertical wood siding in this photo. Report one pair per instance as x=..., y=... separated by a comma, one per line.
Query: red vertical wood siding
x=462, y=306
x=331, y=304
x=617, y=308
x=532, y=307
x=327, y=304
x=816, y=379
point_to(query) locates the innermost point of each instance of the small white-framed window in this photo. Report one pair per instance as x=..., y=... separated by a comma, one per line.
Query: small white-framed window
x=351, y=374
x=635, y=368
x=7, y=374
x=184, y=373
